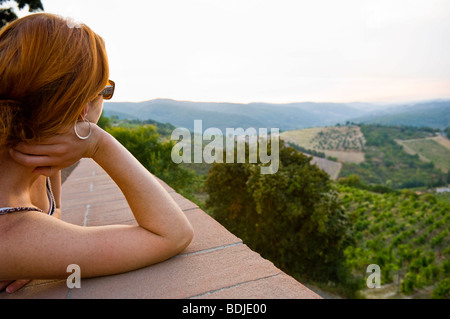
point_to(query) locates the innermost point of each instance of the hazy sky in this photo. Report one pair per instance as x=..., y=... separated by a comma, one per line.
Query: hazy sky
x=272, y=50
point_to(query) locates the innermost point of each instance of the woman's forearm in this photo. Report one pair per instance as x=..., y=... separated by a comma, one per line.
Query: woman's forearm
x=153, y=208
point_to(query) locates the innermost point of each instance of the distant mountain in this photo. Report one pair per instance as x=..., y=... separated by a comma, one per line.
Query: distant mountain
x=434, y=114
x=286, y=117
x=231, y=115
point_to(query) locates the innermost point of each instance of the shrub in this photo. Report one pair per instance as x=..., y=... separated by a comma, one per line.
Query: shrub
x=293, y=218
x=442, y=290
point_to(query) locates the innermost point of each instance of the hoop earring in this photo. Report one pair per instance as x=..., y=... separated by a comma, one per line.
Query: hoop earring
x=83, y=137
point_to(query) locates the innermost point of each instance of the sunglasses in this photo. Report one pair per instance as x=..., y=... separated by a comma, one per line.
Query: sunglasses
x=108, y=91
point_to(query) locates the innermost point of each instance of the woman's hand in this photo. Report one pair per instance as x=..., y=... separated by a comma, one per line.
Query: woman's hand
x=57, y=152
x=13, y=286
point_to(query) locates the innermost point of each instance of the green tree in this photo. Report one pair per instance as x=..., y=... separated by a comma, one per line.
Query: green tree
x=8, y=15
x=104, y=122
x=155, y=155
x=293, y=218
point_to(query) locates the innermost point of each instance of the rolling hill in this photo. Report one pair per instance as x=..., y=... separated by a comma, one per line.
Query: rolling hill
x=230, y=115
x=434, y=114
x=401, y=157
x=286, y=117
x=433, y=149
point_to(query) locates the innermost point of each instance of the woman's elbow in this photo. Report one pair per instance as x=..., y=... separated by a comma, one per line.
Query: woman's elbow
x=183, y=238
x=187, y=236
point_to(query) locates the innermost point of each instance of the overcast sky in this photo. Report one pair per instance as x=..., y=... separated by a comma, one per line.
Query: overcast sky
x=272, y=50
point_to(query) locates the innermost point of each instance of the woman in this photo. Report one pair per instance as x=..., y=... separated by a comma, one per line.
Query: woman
x=53, y=79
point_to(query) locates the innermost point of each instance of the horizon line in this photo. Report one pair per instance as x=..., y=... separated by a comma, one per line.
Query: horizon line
x=437, y=99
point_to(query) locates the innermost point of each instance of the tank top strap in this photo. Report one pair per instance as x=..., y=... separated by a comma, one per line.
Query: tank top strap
x=8, y=210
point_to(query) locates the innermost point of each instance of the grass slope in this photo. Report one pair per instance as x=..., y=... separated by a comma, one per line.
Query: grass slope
x=430, y=150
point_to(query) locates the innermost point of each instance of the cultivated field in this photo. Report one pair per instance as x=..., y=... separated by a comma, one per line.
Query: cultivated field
x=344, y=143
x=330, y=167
x=443, y=141
x=434, y=149
x=303, y=137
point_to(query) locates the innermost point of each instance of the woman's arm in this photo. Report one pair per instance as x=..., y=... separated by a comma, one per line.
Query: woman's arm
x=38, y=246
x=153, y=208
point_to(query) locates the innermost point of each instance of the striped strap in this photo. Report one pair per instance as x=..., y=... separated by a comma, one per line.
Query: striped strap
x=4, y=211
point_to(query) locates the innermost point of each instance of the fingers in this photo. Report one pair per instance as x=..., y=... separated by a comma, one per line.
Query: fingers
x=30, y=160
x=42, y=165
x=41, y=149
x=4, y=284
x=56, y=152
x=14, y=286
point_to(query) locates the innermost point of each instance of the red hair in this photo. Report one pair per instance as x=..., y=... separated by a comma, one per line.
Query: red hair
x=49, y=71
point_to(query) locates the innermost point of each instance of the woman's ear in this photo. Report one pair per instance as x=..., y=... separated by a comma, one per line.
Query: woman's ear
x=85, y=112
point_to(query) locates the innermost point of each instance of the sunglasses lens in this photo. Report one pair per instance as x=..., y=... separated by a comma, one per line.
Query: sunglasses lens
x=108, y=92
